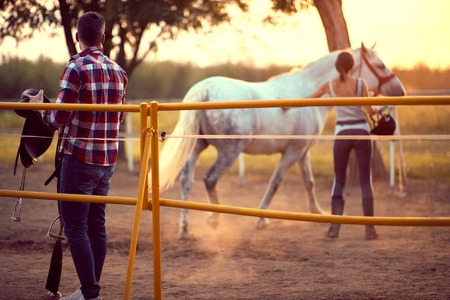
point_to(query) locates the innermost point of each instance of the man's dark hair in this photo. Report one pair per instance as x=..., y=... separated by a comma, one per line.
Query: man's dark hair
x=90, y=27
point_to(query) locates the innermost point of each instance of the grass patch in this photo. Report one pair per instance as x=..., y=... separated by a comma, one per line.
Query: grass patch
x=9, y=120
x=423, y=159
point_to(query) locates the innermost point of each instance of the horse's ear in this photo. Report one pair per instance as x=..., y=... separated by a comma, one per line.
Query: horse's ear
x=363, y=48
x=373, y=47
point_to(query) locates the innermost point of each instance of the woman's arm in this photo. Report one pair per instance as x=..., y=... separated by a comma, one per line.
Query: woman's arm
x=323, y=89
x=365, y=93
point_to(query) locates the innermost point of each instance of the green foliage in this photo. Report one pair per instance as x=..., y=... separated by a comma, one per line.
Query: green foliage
x=17, y=75
x=169, y=80
x=291, y=7
x=431, y=119
x=9, y=120
x=19, y=18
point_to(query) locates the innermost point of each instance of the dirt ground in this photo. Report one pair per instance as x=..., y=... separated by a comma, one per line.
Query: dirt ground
x=288, y=260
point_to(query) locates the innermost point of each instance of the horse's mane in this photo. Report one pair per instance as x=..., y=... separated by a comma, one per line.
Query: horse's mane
x=293, y=70
x=320, y=61
x=312, y=65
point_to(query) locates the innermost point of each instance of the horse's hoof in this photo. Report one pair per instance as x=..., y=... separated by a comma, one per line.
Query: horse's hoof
x=371, y=233
x=184, y=234
x=212, y=222
x=262, y=223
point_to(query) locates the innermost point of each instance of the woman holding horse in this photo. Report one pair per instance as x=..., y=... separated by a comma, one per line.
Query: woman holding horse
x=179, y=156
x=350, y=120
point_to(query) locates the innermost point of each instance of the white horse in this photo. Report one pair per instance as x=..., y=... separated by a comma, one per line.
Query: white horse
x=181, y=154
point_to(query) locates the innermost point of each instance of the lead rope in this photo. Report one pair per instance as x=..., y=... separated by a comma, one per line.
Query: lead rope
x=55, y=269
x=56, y=173
x=18, y=208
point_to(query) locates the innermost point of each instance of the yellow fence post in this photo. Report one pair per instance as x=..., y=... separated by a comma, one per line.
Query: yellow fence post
x=142, y=197
x=155, y=200
x=143, y=117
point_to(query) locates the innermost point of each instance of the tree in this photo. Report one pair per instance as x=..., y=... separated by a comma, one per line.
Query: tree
x=126, y=22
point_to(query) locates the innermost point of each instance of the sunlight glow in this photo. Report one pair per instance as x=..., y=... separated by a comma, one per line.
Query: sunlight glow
x=406, y=33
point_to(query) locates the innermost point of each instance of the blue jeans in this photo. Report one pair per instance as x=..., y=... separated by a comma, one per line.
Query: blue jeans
x=341, y=152
x=85, y=222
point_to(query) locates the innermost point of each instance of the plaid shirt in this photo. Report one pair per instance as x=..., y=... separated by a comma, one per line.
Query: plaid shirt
x=90, y=136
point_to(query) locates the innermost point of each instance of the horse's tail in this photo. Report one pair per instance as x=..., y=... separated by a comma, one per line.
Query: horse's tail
x=175, y=151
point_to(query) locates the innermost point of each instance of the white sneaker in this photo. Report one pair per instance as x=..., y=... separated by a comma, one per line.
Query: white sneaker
x=77, y=295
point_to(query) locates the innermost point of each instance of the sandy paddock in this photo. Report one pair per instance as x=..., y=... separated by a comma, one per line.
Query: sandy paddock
x=288, y=260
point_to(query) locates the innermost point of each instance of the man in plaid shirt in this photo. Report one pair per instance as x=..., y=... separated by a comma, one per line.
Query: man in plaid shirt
x=89, y=146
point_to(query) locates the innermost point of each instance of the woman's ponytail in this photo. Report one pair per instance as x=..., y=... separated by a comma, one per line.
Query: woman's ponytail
x=344, y=63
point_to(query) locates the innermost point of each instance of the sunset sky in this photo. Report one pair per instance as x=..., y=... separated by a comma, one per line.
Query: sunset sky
x=407, y=32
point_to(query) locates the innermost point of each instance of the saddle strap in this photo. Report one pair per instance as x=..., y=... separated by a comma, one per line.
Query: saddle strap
x=17, y=158
x=55, y=173
x=351, y=122
x=18, y=208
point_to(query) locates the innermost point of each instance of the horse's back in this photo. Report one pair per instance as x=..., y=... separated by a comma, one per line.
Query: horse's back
x=255, y=121
x=220, y=88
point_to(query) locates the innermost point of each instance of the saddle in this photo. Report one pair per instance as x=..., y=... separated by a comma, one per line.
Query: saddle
x=36, y=138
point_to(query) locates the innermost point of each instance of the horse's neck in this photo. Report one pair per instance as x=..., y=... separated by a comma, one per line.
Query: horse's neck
x=305, y=82
x=322, y=70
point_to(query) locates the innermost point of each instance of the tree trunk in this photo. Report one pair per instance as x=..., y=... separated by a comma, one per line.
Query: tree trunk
x=333, y=21
x=335, y=26
x=67, y=25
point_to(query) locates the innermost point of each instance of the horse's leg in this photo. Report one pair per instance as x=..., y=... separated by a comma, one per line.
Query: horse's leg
x=224, y=161
x=286, y=161
x=186, y=186
x=304, y=166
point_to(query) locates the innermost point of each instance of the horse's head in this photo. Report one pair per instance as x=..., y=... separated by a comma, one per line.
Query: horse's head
x=379, y=78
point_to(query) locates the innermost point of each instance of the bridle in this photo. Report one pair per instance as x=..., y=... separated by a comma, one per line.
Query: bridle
x=381, y=79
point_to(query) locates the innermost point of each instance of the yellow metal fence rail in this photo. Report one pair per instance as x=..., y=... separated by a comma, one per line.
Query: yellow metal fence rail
x=149, y=138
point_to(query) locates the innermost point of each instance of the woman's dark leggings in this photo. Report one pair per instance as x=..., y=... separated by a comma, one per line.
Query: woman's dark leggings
x=341, y=152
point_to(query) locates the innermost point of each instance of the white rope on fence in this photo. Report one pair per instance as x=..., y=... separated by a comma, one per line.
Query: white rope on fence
x=122, y=139
x=318, y=137
x=432, y=137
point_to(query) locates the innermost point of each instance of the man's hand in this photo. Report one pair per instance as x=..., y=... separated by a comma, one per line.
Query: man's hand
x=39, y=98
